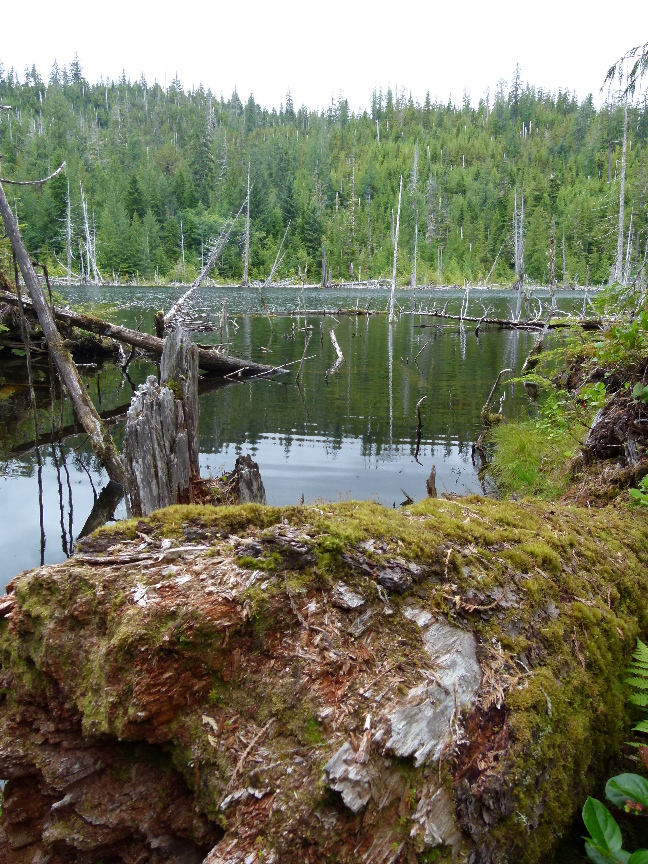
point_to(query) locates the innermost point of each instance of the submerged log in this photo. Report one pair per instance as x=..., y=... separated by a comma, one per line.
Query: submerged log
x=209, y=361
x=364, y=686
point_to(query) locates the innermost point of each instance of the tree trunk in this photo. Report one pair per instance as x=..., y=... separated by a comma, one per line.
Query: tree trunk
x=247, y=232
x=393, y=283
x=102, y=444
x=161, y=436
x=618, y=266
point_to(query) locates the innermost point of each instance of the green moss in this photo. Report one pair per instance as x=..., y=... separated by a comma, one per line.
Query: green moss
x=591, y=565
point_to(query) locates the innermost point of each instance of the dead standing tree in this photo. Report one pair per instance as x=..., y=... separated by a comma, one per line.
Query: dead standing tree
x=161, y=436
x=102, y=443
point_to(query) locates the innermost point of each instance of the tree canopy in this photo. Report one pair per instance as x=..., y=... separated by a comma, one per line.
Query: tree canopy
x=163, y=169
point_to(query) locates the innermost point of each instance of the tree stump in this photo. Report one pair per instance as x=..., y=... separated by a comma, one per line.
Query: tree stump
x=161, y=435
x=249, y=487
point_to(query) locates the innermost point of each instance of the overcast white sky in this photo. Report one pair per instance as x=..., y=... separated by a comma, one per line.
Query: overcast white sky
x=322, y=50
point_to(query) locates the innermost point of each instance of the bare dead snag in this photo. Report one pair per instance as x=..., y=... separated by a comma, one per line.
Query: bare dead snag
x=102, y=443
x=179, y=369
x=161, y=436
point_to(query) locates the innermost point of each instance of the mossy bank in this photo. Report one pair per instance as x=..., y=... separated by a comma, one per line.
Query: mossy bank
x=255, y=681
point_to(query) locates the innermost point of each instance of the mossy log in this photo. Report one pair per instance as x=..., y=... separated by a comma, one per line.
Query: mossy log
x=315, y=684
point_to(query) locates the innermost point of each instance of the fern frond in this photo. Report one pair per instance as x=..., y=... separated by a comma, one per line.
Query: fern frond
x=640, y=665
x=641, y=727
x=639, y=683
x=638, y=699
x=641, y=652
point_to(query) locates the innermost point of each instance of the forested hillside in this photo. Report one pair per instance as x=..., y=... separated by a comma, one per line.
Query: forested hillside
x=162, y=171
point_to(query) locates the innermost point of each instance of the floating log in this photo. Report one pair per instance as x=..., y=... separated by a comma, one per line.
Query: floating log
x=208, y=361
x=586, y=324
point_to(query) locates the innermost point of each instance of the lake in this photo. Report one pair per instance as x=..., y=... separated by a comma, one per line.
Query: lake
x=347, y=434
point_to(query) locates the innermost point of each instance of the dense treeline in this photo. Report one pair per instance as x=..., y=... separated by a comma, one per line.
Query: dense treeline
x=162, y=170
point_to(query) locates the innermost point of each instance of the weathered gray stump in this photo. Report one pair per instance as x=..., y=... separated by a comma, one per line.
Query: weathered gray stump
x=249, y=487
x=161, y=435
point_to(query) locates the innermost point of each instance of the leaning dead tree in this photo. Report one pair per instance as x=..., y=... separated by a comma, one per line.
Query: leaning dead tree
x=219, y=245
x=216, y=251
x=102, y=443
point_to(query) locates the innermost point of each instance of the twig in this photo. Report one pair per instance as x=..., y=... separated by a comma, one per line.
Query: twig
x=247, y=751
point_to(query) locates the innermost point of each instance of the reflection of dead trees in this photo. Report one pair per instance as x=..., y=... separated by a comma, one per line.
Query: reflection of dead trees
x=419, y=426
x=208, y=361
x=340, y=356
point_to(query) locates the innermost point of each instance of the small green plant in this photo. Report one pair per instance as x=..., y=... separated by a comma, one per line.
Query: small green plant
x=640, y=392
x=605, y=843
x=623, y=339
x=593, y=395
x=639, y=496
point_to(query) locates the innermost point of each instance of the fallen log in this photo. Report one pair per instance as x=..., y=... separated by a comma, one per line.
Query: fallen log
x=208, y=361
x=200, y=663
x=102, y=443
x=539, y=324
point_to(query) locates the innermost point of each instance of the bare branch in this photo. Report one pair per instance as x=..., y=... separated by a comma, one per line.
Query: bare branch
x=32, y=182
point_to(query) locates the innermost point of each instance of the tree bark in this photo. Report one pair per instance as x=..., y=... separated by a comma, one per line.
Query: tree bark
x=618, y=266
x=102, y=443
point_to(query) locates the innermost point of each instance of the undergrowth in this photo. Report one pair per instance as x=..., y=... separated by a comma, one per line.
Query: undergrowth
x=540, y=455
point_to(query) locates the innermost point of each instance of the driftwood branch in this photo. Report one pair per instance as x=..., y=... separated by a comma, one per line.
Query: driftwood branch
x=102, y=443
x=209, y=361
x=32, y=182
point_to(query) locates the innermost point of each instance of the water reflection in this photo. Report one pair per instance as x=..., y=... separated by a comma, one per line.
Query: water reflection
x=352, y=434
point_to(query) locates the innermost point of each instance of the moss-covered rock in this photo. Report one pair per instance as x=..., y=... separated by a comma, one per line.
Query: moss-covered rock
x=337, y=683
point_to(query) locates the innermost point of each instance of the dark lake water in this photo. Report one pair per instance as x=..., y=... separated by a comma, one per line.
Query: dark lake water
x=351, y=434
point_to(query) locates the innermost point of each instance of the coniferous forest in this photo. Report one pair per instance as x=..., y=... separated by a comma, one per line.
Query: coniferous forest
x=157, y=173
